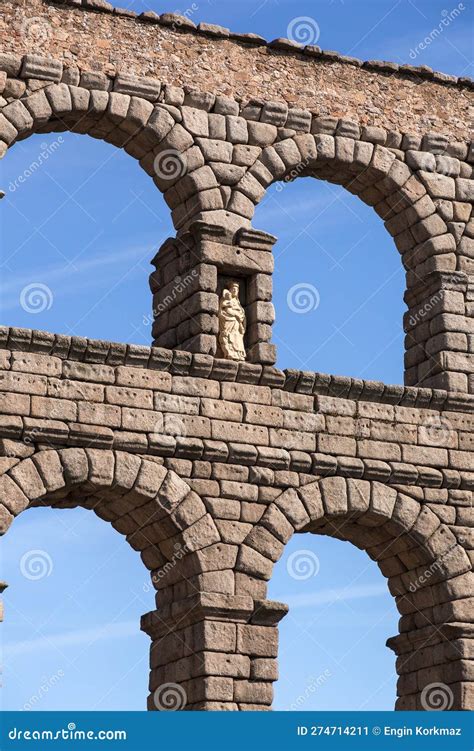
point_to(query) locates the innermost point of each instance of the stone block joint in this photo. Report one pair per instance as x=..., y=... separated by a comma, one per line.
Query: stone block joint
x=260, y=454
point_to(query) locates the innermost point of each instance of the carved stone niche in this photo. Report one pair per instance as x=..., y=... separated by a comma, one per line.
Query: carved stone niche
x=232, y=337
x=191, y=273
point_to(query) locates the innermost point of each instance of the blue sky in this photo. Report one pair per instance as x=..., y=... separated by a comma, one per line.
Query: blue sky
x=86, y=225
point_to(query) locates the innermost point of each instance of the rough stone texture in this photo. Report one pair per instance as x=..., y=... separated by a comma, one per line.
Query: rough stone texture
x=195, y=499
x=213, y=167
x=208, y=466
x=375, y=94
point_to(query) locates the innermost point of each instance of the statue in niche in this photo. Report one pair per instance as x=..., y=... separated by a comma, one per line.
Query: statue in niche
x=232, y=324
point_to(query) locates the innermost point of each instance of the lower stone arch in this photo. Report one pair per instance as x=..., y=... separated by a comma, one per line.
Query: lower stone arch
x=159, y=514
x=428, y=572
x=149, y=504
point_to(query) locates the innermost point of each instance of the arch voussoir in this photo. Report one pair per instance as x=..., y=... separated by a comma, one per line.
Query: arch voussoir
x=142, y=499
x=6, y=518
x=75, y=465
x=27, y=477
x=12, y=498
x=428, y=572
x=293, y=508
x=48, y=464
x=101, y=468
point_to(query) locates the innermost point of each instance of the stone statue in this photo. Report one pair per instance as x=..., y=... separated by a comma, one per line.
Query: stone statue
x=232, y=324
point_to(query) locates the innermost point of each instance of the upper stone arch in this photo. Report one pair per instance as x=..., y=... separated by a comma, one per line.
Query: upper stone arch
x=159, y=514
x=146, y=131
x=213, y=156
x=372, y=172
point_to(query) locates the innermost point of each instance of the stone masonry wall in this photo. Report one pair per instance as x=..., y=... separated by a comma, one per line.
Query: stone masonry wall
x=209, y=466
x=244, y=67
x=214, y=158
x=57, y=389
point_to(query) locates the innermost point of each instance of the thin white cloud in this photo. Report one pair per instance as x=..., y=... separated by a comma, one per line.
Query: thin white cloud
x=329, y=596
x=284, y=205
x=120, y=630
x=54, y=526
x=63, y=278
x=447, y=51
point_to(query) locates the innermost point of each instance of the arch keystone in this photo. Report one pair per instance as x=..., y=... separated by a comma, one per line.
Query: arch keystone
x=334, y=494
x=75, y=465
x=50, y=469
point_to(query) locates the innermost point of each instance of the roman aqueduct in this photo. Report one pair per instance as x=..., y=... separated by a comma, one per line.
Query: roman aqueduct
x=262, y=453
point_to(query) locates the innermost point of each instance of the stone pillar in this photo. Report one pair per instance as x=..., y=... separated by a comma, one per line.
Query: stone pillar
x=434, y=667
x=213, y=651
x=191, y=272
x=439, y=332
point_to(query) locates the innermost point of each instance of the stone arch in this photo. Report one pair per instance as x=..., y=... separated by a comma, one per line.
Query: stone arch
x=159, y=514
x=413, y=192
x=428, y=571
x=213, y=158
x=192, y=159
x=370, y=171
x=146, y=131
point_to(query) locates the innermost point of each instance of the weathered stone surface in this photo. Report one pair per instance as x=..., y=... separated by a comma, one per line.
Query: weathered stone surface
x=208, y=465
x=36, y=66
